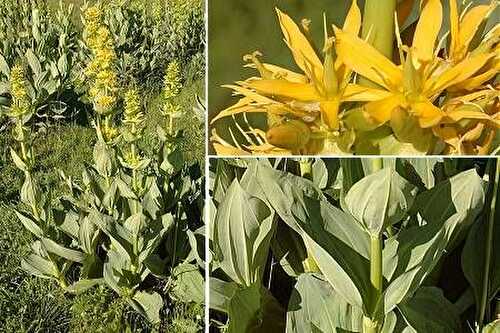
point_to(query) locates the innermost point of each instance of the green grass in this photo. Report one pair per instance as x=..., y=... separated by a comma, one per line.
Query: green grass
x=30, y=304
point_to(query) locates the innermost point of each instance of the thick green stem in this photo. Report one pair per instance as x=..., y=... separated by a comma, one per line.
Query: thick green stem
x=369, y=326
x=378, y=28
x=378, y=25
x=489, y=244
x=373, y=324
x=305, y=168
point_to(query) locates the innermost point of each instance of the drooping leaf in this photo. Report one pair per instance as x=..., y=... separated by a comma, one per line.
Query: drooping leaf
x=335, y=241
x=221, y=293
x=29, y=223
x=253, y=309
x=83, y=285
x=189, y=284
x=149, y=304
x=430, y=311
x=315, y=307
x=62, y=251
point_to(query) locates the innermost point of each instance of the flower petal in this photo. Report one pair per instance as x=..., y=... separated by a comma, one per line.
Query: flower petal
x=427, y=30
x=282, y=73
x=428, y=114
x=381, y=110
x=471, y=22
x=303, y=53
x=455, y=74
x=454, y=29
x=358, y=93
x=283, y=88
x=330, y=113
x=352, y=23
x=366, y=60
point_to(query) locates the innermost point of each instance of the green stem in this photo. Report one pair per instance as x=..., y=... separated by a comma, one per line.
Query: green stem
x=378, y=27
x=489, y=245
x=373, y=324
x=176, y=227
x=305, y=165
x=171, y=125
x=369, y=326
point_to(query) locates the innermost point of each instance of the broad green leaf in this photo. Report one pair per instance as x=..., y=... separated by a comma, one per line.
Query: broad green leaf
x=83, y=285
x=335, y=241
x=104, y=159
x=18, y=161
x=221, y=293
x=463, y=192
x=243, y=228
x=34, y=63
x=38, y=266
x=289, y=249
x=380, y=200
x=253, y=309
x=224, y=176
x=150, y=305
x=419, y=171
x=315, y=307
x=62, y=251
x=120, y=237
x=30, y=192
x=4, y=66
x=411, y=255
x=189, y=284
x=29, y=223
x=430, y=311
x=474, y=254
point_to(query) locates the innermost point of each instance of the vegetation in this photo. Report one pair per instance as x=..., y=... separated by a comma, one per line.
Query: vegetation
x=47, y=153
x=356, y=245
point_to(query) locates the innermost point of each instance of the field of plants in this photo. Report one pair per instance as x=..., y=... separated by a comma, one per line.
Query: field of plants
x=355, y=245
x=404, y=77
x=101, y=159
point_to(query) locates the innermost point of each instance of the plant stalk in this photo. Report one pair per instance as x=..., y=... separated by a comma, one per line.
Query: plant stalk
x=489, y=245
x=376, y=278
x=305, y=165
x=378, y=28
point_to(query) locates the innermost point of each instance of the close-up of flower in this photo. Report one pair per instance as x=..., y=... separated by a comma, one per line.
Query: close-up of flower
x=435, y=95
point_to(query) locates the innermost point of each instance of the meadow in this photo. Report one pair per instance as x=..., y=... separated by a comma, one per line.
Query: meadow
x=65, y=143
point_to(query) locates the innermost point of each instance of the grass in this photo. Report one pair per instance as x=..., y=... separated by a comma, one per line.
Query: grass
x=30, y=304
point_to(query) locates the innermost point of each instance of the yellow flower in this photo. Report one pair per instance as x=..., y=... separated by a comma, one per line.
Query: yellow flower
x=417, y=83
x=314, y=98
x=101, y=69
x=134, y=117
x=172, y=81
x=20, y=99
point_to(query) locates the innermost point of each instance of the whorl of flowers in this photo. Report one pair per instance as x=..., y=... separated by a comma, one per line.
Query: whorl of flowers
x=172, y=80
x=133, y=115
x=20, y=99
x=435, y=96
x=172, y=87
x=100, y=70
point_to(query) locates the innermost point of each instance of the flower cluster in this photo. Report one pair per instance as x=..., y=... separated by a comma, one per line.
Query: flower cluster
x=432, y=98
x=172, y=87
x=133, y=115
x=20, y=99
x=101, y=70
